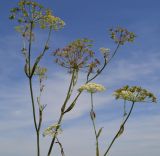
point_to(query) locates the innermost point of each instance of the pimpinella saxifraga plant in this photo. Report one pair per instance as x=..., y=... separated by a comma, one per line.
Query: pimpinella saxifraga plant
x=78, y=57
x=31, y=15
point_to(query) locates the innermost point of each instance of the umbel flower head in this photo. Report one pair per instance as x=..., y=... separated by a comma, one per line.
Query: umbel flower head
x=77, y=55
x=134, y=94
x=40, y=71
x=105, y=52
x=29, y=11
x=121, y=35
x=92, y=87
x=51, y=130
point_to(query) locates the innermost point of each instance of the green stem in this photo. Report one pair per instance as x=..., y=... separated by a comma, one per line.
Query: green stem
x=61, y=147
x=92, y=114
x=41, y=54
x=29, y=49
x=119, y=131
x=104, y=65
x=38, y=144
x=31, y=90
x=62, y=113
x=34, y=117
x=33, y=106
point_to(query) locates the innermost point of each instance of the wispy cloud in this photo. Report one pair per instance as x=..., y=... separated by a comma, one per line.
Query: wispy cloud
x=16, y=125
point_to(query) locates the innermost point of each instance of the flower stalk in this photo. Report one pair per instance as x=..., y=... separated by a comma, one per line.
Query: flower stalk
x=132, y=94
x=121, y=129
x=93, y=116
x=62, y=112
x=30, y=14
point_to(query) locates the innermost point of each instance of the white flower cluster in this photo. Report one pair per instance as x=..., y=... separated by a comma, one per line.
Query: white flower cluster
x=134, y=94
x=51, y=130
x=105, y=52
x=92, y=87
x=128, y=95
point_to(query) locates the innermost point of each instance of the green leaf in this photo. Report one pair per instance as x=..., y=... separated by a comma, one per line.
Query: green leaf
x=36, y=63
x=26, y=70
x=99, y=132
x=70, y=107
x=121, y=131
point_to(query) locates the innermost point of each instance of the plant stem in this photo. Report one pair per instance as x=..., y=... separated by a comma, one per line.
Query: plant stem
x=62, y=113
x=119, y=131
x=68, y=96
x=31, y=90
x=92, y=114
x=34, y=117
x=61, y=147
x=104, y=65
x=33, y=106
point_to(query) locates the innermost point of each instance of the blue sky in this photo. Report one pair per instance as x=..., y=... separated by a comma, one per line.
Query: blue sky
x=135, y=64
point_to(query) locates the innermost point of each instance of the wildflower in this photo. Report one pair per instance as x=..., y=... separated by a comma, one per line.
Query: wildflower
x=51, y=130
x=92, y=87
x=32, y=12
x=105, y=52
x=134, y=94
x=40, y=71
x=77, y=55
x=122, y=35
x=48, y=20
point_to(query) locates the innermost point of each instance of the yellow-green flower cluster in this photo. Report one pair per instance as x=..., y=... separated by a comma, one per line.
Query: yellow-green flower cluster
x=41, y=72
x=48, y=20
x=92, y=87
x=51, y=130
x=134, y=94
x=32, y=12
x=121, y=35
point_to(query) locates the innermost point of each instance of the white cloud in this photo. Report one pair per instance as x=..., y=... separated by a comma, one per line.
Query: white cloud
x=142, y=132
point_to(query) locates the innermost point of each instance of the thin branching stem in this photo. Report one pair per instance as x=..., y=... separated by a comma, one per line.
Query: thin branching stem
x=92, y=115
x=67, y=98
x=30, y=79
x=120, y=130
x=61, y=147
x=31, y=72
x=42, y=53
x=31, y=90
x=104, y=65
x=62, y=113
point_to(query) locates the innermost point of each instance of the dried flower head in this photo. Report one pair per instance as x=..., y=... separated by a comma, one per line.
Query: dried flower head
x=51, y=130
x=121, y=35
x=92, y=87
x=134, y=94
x=77, y=55
x=29, y=11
